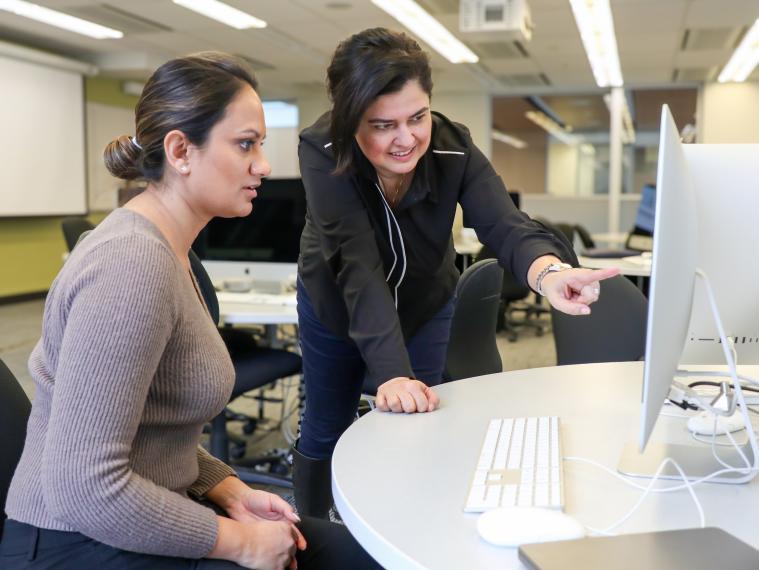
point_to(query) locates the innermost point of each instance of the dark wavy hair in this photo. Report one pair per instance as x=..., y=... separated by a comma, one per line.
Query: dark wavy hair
x=189, y=94
x=368, y=64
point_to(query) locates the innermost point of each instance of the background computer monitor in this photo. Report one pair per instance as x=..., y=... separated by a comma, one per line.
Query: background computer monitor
x=270, y=233
x=644, y=221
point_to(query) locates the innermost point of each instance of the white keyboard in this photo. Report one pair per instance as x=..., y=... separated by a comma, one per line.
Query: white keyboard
x=519, y=465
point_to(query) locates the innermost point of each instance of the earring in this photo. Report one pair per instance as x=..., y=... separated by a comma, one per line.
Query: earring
x=183, y=168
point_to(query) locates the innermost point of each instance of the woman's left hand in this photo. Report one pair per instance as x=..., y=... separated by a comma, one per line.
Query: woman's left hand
x=258, y=505
x=573, y=290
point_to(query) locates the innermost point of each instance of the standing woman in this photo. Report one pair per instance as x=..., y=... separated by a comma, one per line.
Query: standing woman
x=130, y=365
x=383, y=175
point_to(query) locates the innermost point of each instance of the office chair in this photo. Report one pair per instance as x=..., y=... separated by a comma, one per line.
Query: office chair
x=73, y=228
x=568, y=230
x=472, y=348
x=562, y=236
x=514, y=296
x=14, y=413
x=585, y=238
x=615, y=330
x=255, y=367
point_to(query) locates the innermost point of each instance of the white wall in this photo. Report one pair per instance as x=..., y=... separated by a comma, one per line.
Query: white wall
x=728, y=113
x=473, y=110
x=561, y=179
x=591, y=212
x=104, y=123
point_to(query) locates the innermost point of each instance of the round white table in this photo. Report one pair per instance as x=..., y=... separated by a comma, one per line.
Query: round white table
x=400, y=481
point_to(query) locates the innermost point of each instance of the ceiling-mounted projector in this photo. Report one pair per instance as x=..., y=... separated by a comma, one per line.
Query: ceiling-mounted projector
x=496, y=19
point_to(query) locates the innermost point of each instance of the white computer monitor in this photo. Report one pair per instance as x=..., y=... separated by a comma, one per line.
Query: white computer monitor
x=706, y=205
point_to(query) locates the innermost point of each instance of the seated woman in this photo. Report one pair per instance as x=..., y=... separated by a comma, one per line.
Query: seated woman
x=130, y=366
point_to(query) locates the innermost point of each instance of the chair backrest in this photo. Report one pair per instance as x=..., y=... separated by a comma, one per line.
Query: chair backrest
x=562, y=237
x=513, y=289
x=14, y=414
x=472, y=349
x=205, y=285
x=568, y=230
x=615, y=330
x=73, y=227
x=585, y=238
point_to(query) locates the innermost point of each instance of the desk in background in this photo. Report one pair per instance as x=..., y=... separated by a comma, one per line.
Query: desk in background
x=400, y=481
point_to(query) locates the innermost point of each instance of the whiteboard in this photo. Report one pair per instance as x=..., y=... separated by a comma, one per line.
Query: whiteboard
x=104, y=123
x=42, y=164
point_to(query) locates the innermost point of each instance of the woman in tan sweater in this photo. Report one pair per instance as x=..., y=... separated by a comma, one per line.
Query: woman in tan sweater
x=130, y=366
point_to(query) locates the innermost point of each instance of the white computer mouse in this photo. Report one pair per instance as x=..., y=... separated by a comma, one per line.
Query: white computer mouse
x=703, y=423
x=512, y=526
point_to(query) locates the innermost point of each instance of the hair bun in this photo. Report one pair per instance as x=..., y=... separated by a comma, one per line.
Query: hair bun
x=122, y=158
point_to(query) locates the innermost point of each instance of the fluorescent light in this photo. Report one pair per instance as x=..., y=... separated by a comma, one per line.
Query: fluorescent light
x=547, y=123
x=508, y=139
x=59, y=19
x=596, y=25
x=223, y=13
x=628, y=130
x=428, y=29
x=744, y=58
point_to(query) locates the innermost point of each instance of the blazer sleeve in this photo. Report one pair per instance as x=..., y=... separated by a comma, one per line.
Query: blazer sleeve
x=349, y=247
x=516, y=240
x=120, y=315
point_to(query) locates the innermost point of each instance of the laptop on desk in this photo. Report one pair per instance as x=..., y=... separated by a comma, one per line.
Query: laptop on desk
x=689, y=549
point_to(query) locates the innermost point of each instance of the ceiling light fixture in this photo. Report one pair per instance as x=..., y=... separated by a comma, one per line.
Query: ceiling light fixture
x=744, y=58
x=59, y=19
x=596, y=25
x=223, y=13
x=500, y=136
x=428, y=29
x=554, y=128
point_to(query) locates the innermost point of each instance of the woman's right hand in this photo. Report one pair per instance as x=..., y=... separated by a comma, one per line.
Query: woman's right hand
x=263, y=545
x=403, y=394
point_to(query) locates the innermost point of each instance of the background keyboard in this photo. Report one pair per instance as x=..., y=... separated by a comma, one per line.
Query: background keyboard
x=519, y=465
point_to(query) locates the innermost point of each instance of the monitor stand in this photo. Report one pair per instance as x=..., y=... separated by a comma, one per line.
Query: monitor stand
x=697, y=461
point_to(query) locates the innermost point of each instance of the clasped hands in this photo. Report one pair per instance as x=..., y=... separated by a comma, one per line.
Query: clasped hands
x=261, y=530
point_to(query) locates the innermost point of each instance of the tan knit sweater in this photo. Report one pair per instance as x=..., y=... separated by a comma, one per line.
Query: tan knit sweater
x=128, y=369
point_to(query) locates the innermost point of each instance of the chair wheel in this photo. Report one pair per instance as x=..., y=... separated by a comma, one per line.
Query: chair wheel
x=237, y=452
x=248, y=427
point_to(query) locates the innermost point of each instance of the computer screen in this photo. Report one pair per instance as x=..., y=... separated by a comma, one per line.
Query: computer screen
x=644, y=221
x=270, y=233
x=698, y=232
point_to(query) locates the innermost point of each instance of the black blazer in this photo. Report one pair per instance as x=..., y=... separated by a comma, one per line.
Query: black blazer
x=376, y=274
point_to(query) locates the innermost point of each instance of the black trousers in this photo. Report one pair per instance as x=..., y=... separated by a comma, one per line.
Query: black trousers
x=330, y=547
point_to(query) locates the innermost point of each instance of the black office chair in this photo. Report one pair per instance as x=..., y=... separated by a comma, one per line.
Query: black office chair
x=585, y=237
x=14, y=414
x=255, y=367
x=615, y=330
x=472, y=349
x=73, y=228
x=514, y=301
x=568, y=230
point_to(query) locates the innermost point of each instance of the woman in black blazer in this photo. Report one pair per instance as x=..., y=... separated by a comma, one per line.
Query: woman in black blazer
x=383, y=175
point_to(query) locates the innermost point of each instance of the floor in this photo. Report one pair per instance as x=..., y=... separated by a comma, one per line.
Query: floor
x=20, y=326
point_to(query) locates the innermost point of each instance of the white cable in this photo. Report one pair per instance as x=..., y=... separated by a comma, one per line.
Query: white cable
x=730, y=354
x=646, y=490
